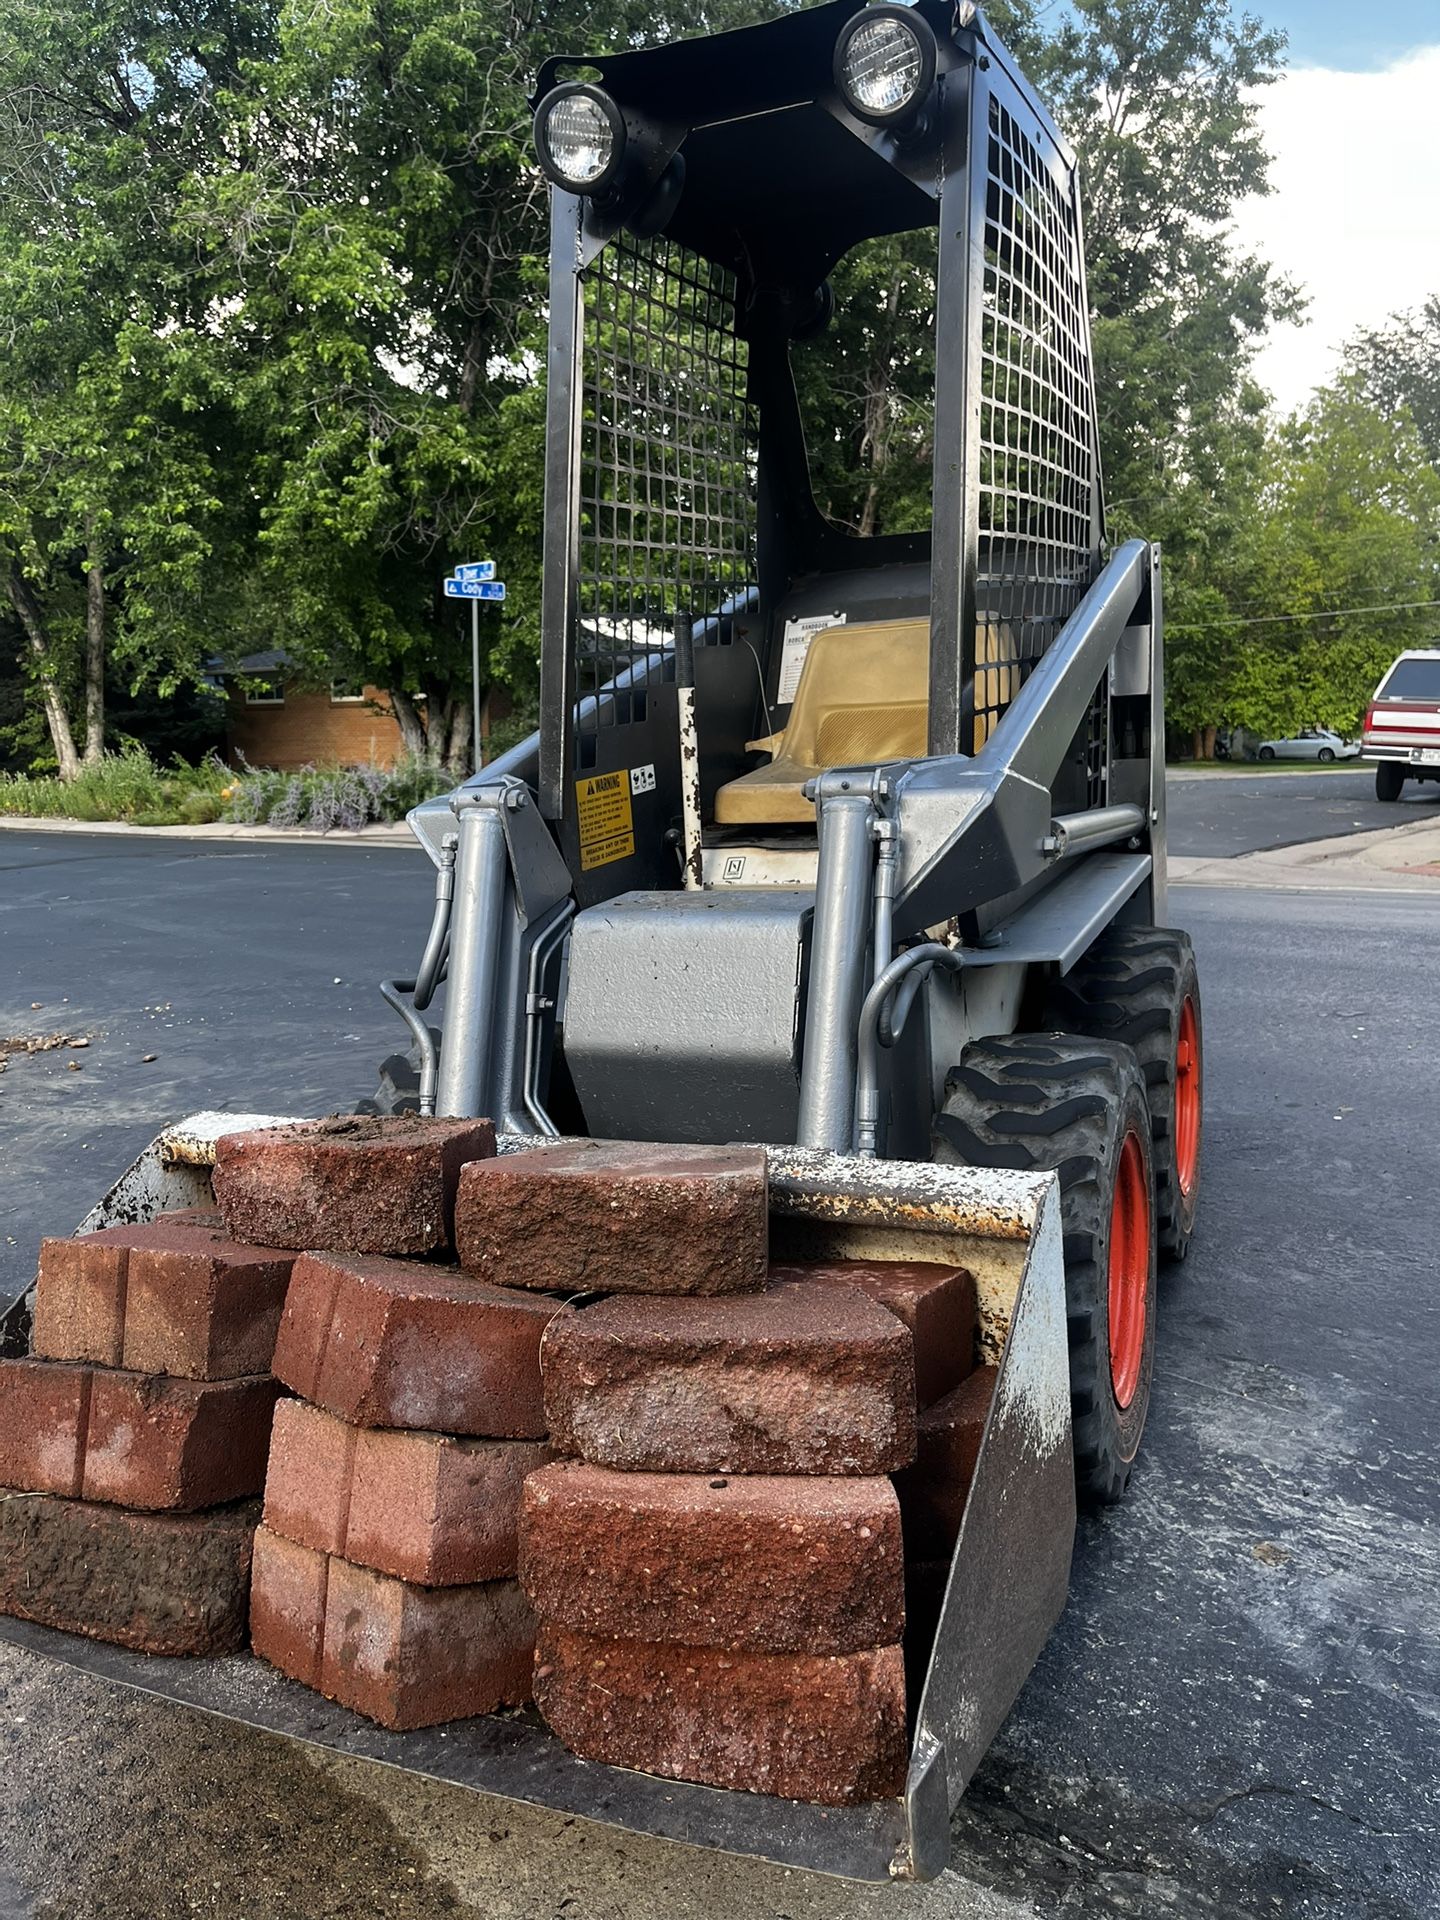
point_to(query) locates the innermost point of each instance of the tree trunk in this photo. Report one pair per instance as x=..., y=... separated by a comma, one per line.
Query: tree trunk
x=1209, y=743
x=1197, y=743
x=28, y=611
x=94, y=654
x=412, y=731
x=457, y=740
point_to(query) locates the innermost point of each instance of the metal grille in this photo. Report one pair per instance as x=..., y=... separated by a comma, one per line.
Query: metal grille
x=1037, y=480
x=667, y=477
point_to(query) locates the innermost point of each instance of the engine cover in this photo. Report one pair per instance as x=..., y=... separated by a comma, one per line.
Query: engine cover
x=683, y=1014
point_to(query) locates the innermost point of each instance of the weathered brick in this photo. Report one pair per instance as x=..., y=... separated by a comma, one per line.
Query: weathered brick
x=134, y=1439
x=934, y=1490
x=409, y=1656
x=307, y=1479
x=937, y=1303
x=169, y=1296
x=425, y=1507
x=403, y=1655
x=800, y=1379
x=617, y=1217
x=80, y=1297
x=437, y=1510
x=159, y=1582
x=772, y=1565
x=205, y=1306
x=156, y=1442
x=357, y=1184
x=287, y=1605
x=395, y=1343
x=801, y=1726
x=44, y=1407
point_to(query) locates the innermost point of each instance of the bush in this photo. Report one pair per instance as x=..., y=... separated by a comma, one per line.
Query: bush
x=129, y=786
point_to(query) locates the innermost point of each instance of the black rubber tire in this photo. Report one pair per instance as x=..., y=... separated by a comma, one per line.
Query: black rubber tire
x=1061, y=1103
x=399, y=1087
x=1326, y=756
x=1389, y=780
x=1131, y=987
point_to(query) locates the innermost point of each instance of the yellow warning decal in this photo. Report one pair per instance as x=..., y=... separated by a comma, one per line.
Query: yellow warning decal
x=607, y=828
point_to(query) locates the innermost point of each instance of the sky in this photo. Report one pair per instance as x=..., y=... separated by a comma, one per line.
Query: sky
x=1355, y=212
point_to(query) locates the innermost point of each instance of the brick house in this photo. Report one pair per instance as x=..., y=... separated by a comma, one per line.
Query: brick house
x=274, y=721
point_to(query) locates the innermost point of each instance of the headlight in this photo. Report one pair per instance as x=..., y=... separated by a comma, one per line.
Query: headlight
x=885, y=64
x=580, y=138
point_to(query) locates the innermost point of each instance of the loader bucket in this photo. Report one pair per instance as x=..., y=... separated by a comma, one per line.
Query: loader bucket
x=1006, y=1584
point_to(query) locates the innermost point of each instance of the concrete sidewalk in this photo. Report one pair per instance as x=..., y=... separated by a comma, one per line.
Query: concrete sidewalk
x=1402, y=859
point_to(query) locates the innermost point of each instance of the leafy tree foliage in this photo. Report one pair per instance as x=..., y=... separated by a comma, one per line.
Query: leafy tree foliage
x=1397, y=368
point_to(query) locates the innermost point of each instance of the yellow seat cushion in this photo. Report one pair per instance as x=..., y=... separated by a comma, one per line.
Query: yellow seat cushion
x=863, y=698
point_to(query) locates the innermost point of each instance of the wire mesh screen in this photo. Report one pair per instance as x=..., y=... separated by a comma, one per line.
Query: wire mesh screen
x=667, y=479
x=1037, y=482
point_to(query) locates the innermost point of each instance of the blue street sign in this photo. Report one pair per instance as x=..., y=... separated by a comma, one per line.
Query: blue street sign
x=476, y=570
x=474, y=589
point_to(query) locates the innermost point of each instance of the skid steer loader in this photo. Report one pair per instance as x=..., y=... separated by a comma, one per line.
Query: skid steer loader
x=847, y=842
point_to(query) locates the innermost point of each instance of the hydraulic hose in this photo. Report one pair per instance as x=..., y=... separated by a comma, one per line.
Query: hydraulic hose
x=437, y=944
x=392, y=992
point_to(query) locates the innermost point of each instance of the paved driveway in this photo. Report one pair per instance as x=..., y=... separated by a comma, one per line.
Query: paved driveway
x=1214, y=815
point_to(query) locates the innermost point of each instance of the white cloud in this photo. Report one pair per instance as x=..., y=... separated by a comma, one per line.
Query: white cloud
x=1355, y=215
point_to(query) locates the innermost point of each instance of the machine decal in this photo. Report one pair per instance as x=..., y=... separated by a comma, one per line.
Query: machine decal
x=798, y=635
x=642, y=779
x=602, y=811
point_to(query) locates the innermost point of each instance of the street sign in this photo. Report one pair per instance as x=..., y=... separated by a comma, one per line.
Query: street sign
x=476, y=570
x=474, y=589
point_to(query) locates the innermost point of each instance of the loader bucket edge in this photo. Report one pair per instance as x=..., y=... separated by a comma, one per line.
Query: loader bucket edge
x=1006, y=1583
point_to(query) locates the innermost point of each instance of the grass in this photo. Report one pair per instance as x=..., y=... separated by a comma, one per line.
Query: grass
x=129, y=786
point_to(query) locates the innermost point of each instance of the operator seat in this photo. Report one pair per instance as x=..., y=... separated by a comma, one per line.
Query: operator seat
x=863, y=698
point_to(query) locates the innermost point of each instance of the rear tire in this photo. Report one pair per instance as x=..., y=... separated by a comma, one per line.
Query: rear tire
x=1266, y=753
x=1389, y=780
x=1326, y=756
x=1054, y=1102
x=1138, y=985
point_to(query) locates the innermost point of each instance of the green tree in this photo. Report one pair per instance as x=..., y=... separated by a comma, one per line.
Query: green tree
x=1397, y=368
x=1345, y=530
x=110, y=470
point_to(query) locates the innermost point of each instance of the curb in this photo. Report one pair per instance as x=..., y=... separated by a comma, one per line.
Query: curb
x=395, y=834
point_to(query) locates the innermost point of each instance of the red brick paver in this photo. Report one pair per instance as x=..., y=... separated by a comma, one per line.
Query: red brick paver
x=937, y=1304
x=796, y=1725
x=397, y=1343
x=358, y=1183
x=776, y=1565
x=613, y=1217
x=797, y=1380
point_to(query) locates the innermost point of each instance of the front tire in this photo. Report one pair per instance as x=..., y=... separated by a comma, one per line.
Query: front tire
x=1054, y=1102
x=1389, y=780
x=1266, y=753
x=1139, y=985
x=1326, y=756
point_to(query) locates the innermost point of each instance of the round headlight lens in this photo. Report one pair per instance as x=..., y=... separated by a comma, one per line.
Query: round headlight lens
x=885, y=63
x=580, y=136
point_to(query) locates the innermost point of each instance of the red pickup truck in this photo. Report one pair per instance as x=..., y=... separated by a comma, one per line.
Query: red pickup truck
x=1402, y=723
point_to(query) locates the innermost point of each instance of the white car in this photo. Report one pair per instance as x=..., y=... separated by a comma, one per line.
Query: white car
x=1311, y=743
x=1402, y=723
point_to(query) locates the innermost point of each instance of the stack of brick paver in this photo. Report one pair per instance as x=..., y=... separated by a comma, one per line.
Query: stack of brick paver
x=134, y=1436
x=719, y=1571
x=385, y=1567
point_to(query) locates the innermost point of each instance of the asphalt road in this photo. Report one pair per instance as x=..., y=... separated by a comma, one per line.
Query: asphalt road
x=1238, y=1714
x=1215, y=815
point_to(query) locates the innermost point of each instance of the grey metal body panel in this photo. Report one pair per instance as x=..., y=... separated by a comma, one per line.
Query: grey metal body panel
x=1061, y=924
x=681, y=1013
x=1019, y=1519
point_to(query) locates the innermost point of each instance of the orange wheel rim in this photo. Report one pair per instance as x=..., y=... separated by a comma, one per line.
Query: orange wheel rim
x=1187, y=1098
x=1129, y=1270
